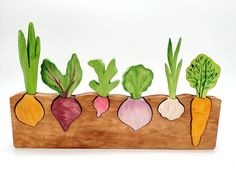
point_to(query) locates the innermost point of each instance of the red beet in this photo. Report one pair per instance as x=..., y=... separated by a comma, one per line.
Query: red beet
x=66, y=110
x=101, y=104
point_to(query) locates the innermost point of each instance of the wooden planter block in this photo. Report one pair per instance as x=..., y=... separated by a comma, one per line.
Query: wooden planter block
x=108, y=131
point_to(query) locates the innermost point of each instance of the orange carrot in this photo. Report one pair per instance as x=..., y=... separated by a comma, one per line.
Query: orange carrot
x=202, y=75
x=201, y=108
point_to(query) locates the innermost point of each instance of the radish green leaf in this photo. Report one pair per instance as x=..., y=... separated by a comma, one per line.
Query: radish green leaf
x=104, y=85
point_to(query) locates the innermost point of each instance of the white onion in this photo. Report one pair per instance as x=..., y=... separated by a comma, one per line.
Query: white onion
x=171, y=109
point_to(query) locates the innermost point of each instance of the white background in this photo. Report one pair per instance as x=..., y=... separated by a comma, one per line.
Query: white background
x=133, y=32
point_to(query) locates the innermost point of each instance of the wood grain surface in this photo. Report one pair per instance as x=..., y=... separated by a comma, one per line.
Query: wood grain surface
x=108, y=131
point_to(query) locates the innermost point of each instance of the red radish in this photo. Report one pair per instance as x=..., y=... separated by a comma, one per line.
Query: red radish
x=135, y=111
x=66, y=110
x=101, y=103
x=65, y=107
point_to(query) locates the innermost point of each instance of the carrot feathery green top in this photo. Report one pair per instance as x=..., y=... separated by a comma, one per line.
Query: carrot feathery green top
x=203, y=74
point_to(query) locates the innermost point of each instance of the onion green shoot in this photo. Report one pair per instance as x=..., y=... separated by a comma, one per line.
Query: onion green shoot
x=172, y=69
x=29, y=53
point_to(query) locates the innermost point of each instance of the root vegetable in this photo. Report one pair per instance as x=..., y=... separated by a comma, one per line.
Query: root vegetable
x=29, y=110
x=101, y=104
x=104, y=85
x=200, y=114
x=66, y=110
x=171, y=108
x=202, y=75
x=65, y=107
x=135, y=111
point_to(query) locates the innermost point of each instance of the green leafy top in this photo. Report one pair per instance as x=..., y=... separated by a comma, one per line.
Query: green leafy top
x=104, y=84
x=29, y=54
x=203, y=74
x=173, y=71
x=136, y=80
x=63, y=84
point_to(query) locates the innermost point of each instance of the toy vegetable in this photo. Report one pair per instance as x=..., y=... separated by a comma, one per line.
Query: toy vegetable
x=29, y=110
x=171, y=108
x=65, y=107
x=104, y=85
x=135, y=111
x=202, y=75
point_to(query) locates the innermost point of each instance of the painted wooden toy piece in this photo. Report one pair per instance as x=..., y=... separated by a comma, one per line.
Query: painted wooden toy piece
x=104, y=85
x=135, y=111
x=202, y=75
x=29, y=110
x=65, y=107
x=171, y=108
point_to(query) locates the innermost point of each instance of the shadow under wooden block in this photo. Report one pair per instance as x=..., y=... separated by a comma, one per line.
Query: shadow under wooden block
x=108, y=131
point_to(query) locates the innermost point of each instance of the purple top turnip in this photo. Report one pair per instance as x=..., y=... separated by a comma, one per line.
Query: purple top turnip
x=104, y=85
x=65, y=107
x=135, y=111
